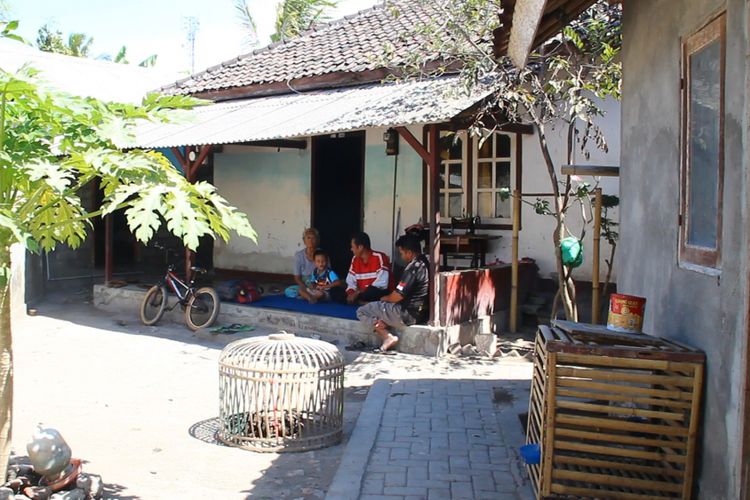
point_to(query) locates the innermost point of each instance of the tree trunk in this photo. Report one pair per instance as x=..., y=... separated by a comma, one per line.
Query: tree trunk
x=563, y=287
x=6, y=365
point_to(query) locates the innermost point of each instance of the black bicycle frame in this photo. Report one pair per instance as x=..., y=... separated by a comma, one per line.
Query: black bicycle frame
x=176, y=284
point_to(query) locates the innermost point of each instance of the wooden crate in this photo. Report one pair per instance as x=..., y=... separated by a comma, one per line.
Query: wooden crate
x=616, y=415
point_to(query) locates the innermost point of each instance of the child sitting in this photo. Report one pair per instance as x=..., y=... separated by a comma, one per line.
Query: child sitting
x=322, y=279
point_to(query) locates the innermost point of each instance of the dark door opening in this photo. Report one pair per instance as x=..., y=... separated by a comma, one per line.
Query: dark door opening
x=337, y=199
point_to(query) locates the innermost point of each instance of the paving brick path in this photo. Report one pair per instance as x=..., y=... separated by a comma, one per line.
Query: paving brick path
x=448, y=439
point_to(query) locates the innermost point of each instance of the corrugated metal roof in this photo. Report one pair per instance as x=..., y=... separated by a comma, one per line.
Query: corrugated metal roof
x=314, y=113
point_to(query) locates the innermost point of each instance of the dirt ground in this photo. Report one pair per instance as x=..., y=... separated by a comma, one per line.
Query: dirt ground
x=138, y=404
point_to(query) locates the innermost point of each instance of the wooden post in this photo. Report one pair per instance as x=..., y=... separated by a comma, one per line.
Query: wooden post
x=595, y=262
x=108, y=251
x=514, y=269
x=434, y=166
x=190, y=168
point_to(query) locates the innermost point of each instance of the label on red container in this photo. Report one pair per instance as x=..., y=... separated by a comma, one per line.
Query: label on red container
x=626, y=313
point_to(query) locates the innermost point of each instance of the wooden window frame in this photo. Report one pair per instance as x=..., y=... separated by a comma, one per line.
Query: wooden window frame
x=469, y=174
x=514, y=177
x=692, y=255
x=445, y=170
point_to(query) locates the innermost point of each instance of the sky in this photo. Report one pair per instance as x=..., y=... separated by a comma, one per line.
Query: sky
x=159, y=27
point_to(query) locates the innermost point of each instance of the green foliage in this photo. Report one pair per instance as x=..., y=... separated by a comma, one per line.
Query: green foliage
x=296, y=16
x=149, y=62
x=53, y=144
x=49, y=40
x=247, y=21
x=7, y=28
x=122, y=56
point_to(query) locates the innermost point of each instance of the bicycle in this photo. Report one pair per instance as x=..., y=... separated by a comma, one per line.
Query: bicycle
x=201, y=305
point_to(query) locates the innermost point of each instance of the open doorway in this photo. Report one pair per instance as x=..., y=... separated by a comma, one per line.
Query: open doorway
x=337, y=193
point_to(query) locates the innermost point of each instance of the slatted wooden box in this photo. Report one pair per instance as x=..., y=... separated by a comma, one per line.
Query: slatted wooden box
x=616, y=415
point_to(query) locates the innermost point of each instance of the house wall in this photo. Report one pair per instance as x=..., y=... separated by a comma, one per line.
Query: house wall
x=704, y=311
x=252, y=178
x=379, y=171
x=535, y=238
x=273, y=188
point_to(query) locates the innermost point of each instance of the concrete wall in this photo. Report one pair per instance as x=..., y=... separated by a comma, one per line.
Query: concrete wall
x=252, y=179
x=273, y=188
x=379, y=170
x=701, y=310
x=535, y=239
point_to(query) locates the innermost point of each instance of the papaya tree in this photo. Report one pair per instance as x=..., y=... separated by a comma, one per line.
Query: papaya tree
x=51, y=146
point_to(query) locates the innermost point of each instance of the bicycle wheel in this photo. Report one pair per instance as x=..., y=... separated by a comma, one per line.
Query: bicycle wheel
x=202, y=308
x=153, y=305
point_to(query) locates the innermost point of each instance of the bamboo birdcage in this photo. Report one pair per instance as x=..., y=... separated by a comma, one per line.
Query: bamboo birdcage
x=281, y=393
x=615, y=415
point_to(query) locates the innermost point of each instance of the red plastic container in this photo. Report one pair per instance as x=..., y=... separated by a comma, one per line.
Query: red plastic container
x=626, y=313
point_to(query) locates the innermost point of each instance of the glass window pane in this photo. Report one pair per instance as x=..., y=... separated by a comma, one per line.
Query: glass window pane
x=503, y=174
x=451, y=146
x=455, y=202
x=484, y=180
x=503, y=146
x=484, y=205
x=455, y=176
x=704, y=123
x=442, y=177
x=503, y=207
x=485, y=148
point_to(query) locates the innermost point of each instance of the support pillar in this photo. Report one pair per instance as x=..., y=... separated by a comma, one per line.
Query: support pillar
x=595, y=258
x=434, y=190
x=190, y=168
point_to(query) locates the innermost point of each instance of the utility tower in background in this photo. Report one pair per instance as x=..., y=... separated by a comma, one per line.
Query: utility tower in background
x=191, y=26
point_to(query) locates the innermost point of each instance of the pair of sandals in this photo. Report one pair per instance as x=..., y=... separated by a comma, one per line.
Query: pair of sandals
x=233, y=328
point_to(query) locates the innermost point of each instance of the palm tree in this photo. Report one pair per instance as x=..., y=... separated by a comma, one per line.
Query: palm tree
x=292, y=17
x=296, y=16
x=246, y=21
x=79, y=44
x=49, y=40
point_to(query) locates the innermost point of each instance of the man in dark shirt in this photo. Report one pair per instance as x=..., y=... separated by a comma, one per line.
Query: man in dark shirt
x=406, y=304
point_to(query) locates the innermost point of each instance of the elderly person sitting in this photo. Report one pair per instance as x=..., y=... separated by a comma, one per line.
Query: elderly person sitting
x=304, y=261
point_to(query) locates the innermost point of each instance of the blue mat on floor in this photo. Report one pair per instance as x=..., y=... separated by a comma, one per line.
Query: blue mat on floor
x=283, y=302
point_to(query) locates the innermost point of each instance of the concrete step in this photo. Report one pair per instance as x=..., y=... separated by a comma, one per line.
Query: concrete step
x=418, y=339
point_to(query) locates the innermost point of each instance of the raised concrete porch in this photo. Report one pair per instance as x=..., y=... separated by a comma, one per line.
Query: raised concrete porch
x=420, y=339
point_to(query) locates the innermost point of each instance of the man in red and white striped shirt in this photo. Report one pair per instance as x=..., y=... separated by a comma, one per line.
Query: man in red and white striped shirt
x=369, y=273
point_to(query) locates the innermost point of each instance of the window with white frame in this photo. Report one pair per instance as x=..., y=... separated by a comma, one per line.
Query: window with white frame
x=476, y=176
x=493, y=179
x=452, y=173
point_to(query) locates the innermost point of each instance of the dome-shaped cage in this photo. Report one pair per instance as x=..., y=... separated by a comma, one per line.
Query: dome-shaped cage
x=281, y=393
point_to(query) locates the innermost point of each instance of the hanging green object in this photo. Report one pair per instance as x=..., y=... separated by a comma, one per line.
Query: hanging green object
x=572, y=252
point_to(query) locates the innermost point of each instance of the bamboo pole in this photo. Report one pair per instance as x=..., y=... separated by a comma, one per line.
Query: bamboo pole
x=514, y=272
x=595, y=262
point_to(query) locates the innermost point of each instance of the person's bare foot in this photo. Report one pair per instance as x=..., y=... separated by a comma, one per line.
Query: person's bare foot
x=389, y=343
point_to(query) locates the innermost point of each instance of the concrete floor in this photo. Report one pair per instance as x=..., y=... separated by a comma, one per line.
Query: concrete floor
x=137, y=404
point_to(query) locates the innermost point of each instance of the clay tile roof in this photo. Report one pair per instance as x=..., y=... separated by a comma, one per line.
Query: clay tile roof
x=351, y=44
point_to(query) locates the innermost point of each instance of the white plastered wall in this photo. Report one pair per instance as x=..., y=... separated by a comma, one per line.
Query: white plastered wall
x=273, y=188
